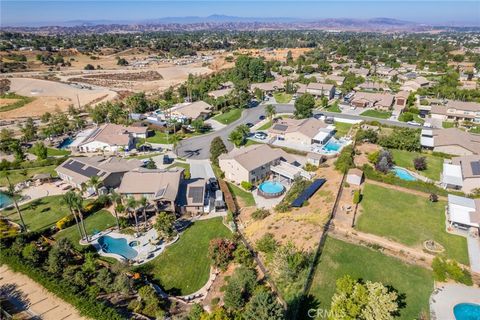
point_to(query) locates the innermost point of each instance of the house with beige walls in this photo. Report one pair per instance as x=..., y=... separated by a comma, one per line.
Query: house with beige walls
x=304, y=131
x=462, y=173
x=450, y=141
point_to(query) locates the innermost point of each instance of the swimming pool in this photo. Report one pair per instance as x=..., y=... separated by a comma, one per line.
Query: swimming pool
x=467, y=311
x=332, y=145
x=118, y=246
x=65, y=143
x=5, y=200
x=403, y=174
x=271, y=189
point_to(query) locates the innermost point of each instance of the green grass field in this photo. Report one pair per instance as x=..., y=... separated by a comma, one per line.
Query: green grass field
x=160, y=137
x=184, y=266
x=54, y=152
x=246, y=196
x=39, y=214
x=229, y=116
x=342, y=129
x=404, y=159
x=19, y=101
x=408, y=219
x=98, y=221
x=282, y=97
x=333, y=108
x=448, y=124
x=340, y=258
x=20, y=175
x=266, y=125
x=186, y=166
x=376, y=114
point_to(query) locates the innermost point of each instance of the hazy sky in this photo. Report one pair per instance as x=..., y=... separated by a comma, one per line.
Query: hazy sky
x=19, y=12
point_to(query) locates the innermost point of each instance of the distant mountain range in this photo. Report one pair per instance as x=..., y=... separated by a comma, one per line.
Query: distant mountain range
x=222, y=22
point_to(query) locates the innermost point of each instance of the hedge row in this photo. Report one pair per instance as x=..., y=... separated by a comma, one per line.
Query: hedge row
x=87, y=306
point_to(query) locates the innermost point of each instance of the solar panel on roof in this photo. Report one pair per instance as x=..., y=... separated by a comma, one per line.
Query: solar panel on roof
x=280, y=127
x=475, y=167
x=196, y=193
x=80, y=168
x=305, y=195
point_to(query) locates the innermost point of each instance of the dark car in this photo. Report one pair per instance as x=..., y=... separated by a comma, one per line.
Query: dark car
x=262, y=117
x=166, y=159
x=318, y=115
x=249, y=124
x=213, y=184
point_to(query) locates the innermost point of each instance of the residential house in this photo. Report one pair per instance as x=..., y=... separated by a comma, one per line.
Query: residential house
x=386, y=72
x=191, y=111
x=462, y=173
x=321, y=90
x=362, y=72
x=77, y=171
x=382, y=101
x=455, y=110
x=304, y=132
x=108, y=137
x=220, y=93
x=463, y=213
x=450, y=141
x=191, y=197
x=267, y=87
x=255, y=163
x=401, y=99
x=338, y=79
x=372, y=86
x=159, y=186
x=415, y=84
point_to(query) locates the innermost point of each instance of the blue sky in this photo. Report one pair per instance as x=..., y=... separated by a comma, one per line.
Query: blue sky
x=18, y=12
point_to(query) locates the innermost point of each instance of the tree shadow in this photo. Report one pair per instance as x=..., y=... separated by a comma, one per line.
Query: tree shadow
x=299, y=307
x=15, y=297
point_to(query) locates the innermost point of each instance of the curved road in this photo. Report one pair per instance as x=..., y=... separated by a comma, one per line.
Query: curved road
x=199, y=147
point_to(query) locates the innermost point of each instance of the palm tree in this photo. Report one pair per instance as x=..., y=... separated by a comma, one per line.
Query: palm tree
x=13, y=194
x=115, y=197
x=70, y=199
x=270, y=111
x=132, y=205
x=79, y=205
x=143, y=202
x=95, y=183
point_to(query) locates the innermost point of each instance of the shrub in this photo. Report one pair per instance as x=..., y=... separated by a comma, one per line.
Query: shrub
x=449, y=269
x=384, y=162
x=357, y=197
x=345, y=159
x=420, y=163
x=267, y=244
x=373, y=157
x=260, y=214
x=65, y=222
x=220, y=252
x=246, y=185
x=310, y=167
x=367, y=135
x=433, y=197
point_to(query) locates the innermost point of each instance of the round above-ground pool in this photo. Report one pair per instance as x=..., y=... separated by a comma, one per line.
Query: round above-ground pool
x=118, y=246
x=271, y=189
x=467, y=311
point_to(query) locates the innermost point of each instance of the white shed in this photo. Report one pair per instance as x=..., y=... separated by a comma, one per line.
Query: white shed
x=355, y=176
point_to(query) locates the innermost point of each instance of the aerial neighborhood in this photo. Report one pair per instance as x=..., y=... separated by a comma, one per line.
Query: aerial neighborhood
x=234, y=174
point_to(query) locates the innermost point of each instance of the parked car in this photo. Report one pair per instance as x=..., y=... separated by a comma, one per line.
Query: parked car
x=262, y=117
x=166, y=159
x=427, y=125
x=413, y=123
x=260, y=135
x=318, y=115
x=249, y=124
x=213, y=183
x=329, y=120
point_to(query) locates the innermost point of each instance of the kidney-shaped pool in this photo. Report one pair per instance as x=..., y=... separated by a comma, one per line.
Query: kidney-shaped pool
x=118, y=246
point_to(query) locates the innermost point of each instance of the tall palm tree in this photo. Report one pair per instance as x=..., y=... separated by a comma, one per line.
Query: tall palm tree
x=115, y=197
x=143, y=202
x=79, y=205
x=270, y=111
x=70, y=199
x=95, y=183
x=132, y=205
x=13, y=194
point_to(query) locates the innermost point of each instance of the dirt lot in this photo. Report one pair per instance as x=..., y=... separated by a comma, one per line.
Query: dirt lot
x=301, y=226
x=6, y=102
x=38, y=107
x=364, y=150
x=275, y=54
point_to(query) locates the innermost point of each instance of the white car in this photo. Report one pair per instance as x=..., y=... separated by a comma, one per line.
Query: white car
x=413, y=123
x=260, y=136
x=427, y=125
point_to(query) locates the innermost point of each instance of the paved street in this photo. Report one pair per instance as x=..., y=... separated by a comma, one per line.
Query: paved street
x=199, y=147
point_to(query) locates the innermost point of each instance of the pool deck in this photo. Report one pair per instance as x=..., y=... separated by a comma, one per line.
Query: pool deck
x=447, y=296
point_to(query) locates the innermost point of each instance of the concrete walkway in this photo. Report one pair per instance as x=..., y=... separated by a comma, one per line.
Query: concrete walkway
x=26, y=294
x=200, y=169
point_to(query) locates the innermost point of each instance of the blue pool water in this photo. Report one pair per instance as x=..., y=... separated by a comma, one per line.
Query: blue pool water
x=271, y=187
x=332, y=146
x=467, y=311
x=403, y=174
x=65, y=143
x=118, y=246
x=5, y=200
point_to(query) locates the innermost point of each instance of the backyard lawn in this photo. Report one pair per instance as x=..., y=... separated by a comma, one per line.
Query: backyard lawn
x=39, y=214
x=53, y=152
x=266, y=125
x=184, y=267
x=160, y=137
x=408, y=219
x=340, y=258
x=282, y=97
x=376, y=114
x=333, y=108
x=98, y=221
x=342, y=129
x=245, y=196
x=20, y=175
x=229, y=116
x=184, y=165
x=404, y=159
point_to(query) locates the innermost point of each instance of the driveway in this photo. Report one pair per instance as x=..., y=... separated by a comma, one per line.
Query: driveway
x=200, y=169
x=199, y=147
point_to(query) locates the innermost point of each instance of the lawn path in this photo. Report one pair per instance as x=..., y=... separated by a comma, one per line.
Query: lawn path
x=402, y=189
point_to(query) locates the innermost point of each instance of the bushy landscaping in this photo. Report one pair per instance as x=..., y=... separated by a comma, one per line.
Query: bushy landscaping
x=184, y=266
x=408, y=219
x=405, y=159
x=229, y=116
x=340, y=258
